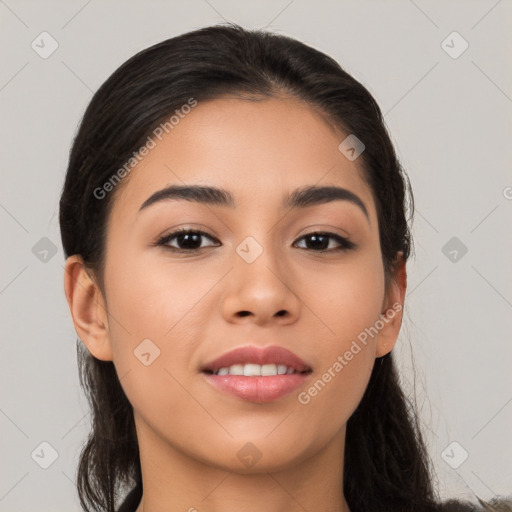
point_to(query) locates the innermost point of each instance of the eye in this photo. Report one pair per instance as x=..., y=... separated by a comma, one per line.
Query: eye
x=190, y=240
x=187, y=240
x=321, y=242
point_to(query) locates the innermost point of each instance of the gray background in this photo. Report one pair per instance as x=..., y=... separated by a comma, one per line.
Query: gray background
x=450, y=119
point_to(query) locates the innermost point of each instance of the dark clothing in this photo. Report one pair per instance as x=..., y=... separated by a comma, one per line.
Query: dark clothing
x=132, y=500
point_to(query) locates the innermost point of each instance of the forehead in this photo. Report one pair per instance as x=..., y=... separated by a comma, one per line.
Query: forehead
x=258, y=149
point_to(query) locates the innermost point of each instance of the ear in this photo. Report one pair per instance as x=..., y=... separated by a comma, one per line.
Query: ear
x=392, y=310
x=88, y=308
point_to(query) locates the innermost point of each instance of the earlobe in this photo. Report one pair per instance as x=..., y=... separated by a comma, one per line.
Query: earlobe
x=392, y=313
x=87, y=308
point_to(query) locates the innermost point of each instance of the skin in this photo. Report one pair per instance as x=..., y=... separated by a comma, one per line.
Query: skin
x=189, y=433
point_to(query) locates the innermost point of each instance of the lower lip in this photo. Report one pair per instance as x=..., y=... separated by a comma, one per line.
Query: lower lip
x=257, y=389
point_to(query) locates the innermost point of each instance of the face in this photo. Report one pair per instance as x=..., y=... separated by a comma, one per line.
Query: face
x=255, y=272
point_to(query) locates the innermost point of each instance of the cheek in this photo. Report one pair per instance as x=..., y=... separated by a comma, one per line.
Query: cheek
x=348, y=302
x=157, y=314
x=331, y=398
x=155, y=299
x=346, y=298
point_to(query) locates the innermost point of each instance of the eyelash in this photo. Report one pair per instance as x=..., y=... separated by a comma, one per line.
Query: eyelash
x=345, y=244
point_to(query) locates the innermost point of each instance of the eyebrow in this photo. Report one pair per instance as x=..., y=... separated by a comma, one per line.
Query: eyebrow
x=300, y=198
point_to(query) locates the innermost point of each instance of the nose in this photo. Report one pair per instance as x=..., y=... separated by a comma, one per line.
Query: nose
x=261, y=291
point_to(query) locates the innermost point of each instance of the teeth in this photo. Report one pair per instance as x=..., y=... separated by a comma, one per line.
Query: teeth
x=268, y=369
x=253, y=370
x=236, y=369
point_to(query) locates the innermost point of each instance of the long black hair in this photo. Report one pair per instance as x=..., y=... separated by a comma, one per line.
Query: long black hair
x=386, y=466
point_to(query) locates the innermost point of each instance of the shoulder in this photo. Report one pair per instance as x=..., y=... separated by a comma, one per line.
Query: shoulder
x=497, y=504
x=459, y=506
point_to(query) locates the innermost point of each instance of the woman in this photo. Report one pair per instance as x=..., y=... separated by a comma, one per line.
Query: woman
x=234, y=221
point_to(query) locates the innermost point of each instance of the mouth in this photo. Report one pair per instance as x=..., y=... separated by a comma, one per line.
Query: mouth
x=257, y=374
x=257, y=370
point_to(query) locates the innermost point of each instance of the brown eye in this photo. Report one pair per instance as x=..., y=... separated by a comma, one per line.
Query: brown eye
x=322, y=242
x=185, y=240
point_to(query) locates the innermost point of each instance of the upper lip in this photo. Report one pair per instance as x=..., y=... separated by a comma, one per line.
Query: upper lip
x=257, y=355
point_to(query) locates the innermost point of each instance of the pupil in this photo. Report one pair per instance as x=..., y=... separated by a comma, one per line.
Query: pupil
x=317, y=241
x=186, y=238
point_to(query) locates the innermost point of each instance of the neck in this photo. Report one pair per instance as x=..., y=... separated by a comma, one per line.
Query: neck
x=172, y=480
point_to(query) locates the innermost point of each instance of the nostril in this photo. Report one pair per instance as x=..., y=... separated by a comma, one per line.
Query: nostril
x=281, y=313
x=244, y=313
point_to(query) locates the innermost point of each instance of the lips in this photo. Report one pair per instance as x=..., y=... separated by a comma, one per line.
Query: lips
x=257, y=375
x=259, y=356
